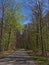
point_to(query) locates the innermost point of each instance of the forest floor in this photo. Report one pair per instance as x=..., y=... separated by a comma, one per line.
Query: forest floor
x=40, y=60
x=19, y=57
x=6, y=53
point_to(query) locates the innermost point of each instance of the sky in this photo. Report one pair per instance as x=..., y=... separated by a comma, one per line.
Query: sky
x=28, y=13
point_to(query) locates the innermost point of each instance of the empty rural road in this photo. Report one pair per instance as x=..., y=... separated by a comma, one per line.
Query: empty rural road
x=20, y=57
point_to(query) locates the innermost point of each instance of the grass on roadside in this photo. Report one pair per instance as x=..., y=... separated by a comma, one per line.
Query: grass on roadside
x=41, y=60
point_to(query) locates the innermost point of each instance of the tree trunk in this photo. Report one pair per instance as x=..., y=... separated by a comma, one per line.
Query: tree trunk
x=9, y=38
x=41, y=38
x=1, y=31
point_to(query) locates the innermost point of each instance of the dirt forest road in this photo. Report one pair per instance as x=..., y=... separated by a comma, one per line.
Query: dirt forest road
x=20, y=57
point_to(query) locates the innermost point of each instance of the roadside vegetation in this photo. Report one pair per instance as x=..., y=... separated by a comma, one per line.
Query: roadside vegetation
x=41, y=60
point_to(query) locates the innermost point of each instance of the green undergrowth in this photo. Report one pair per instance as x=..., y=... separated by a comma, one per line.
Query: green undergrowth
x=41, y=60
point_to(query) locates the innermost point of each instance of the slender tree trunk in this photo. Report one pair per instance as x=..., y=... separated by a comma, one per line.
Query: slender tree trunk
x=37, y=32
x=41, y=38
x=9, y=38
x=1, y=32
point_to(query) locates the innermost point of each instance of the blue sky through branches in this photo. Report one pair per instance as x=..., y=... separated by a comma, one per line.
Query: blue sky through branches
x=27, y=12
